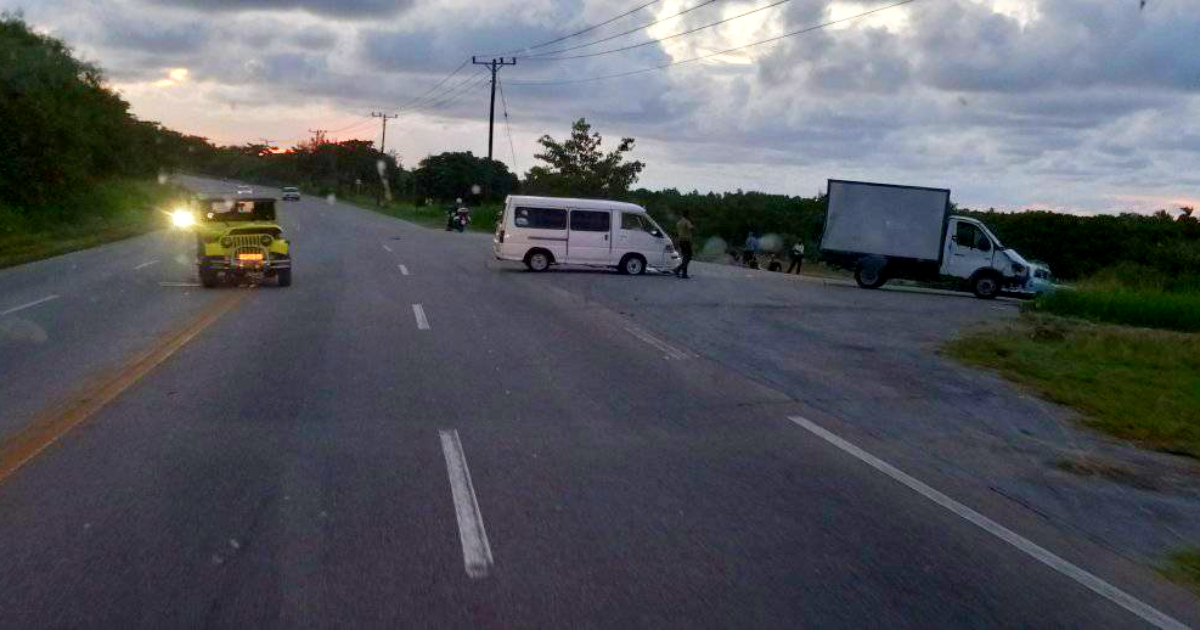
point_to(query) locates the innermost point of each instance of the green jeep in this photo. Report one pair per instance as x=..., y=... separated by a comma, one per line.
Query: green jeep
x=239, y=238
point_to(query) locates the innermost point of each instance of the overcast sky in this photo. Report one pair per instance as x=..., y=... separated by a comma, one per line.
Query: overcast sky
x=1074, y=105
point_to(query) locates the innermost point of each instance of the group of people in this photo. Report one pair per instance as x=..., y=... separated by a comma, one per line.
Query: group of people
x=685, y=233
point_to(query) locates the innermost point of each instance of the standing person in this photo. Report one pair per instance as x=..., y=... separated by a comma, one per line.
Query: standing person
x=797, y=256
x=685, y=231
x=752, y=244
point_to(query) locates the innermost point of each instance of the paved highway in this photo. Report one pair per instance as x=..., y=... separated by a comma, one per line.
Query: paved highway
x=415, y=434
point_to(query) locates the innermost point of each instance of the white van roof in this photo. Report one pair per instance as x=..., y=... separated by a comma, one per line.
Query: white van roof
x=569, y=202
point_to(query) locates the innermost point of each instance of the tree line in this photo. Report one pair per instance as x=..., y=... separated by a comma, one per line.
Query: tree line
x=65, y=131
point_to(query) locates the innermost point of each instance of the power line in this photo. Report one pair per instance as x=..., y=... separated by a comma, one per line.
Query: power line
x=715, y=54
x=507, y=128
x=434, y=99
x=579, y=32
x=453, y=95
x=439, y=84
x=540, y=56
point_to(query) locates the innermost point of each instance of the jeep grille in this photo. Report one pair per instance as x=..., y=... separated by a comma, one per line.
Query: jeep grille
x=247, y=240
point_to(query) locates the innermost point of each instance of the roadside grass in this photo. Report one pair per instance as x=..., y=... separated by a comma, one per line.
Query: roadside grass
x=483, y=218
x=1136, y=384
x=1148, y=308
x=1184, y=567
x=111, y=211
x=1130, y=294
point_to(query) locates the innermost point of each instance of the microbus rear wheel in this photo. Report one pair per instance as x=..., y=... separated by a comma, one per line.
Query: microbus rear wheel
x=537, y=261
x=632, y=265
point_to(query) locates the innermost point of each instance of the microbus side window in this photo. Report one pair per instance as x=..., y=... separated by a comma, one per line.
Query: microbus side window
x=540, y=218
x=591, y=220
x=633, y=221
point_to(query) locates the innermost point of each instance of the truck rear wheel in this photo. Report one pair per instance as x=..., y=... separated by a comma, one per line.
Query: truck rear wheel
x=986, y=286
x=869, y=276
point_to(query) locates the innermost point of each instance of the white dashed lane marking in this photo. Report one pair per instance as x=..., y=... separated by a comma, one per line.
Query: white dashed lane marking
x=477, y=552
x=403, y=270
x=419, y=313
x=145, y=264
x=29, y=305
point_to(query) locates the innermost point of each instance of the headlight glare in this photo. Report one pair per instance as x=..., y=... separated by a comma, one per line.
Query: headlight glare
x=181, y=218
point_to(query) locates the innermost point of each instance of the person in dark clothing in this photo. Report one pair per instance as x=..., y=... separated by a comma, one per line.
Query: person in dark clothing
x=685, y=231
x=796, y=253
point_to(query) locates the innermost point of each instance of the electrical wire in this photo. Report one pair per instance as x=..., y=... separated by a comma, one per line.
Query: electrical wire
x=410, y=102
x=433, y=99
x=577, y=33
x=507, y=128
x=715, y=54
x=539, y=56
x=455, y=94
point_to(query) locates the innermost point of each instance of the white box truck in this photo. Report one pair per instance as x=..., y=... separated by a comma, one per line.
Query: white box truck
x=885, y=231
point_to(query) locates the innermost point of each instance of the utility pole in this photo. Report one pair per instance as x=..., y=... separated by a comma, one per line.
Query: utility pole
x=494, y=65
x=318, y=136
x=267, y=143
x=382, y=149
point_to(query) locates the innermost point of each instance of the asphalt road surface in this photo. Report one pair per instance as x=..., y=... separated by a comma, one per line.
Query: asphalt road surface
x=415, y=434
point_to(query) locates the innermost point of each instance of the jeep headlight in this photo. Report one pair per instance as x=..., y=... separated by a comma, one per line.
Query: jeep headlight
x=226, y=241
x=182, y=218
x=265, y=240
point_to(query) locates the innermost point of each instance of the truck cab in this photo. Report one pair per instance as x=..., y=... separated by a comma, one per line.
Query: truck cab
x=974, y=254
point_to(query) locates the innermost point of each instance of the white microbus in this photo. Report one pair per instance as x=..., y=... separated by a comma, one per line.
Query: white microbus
x=544, y=231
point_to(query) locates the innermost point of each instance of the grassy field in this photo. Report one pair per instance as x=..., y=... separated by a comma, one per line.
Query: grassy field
x=1136, y=384
x=1184, y=567
x=1132, y=295
x=112, y=211
x=1150, y=309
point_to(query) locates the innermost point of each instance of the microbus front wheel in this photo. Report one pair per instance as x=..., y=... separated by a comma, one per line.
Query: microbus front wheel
x=537, y=260
x=632, y=265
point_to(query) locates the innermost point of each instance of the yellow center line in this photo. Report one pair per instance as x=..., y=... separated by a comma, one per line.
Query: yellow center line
x=54, y=423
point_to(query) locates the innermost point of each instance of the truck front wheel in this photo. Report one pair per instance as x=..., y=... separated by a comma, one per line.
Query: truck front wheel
x=986, y=286
x=869, y=276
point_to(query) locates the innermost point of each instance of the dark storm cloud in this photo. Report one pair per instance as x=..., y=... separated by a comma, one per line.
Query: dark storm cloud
x=124, y=31
x=342, y=9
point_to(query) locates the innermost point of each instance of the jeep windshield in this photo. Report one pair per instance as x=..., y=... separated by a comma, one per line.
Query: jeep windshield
x=229, y=210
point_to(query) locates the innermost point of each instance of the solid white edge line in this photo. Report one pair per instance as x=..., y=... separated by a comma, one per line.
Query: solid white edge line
x=1095, y=584
x=29, y=305
x=477, y=552
x=419, y=313
x=403, y=270
x=670, y=351
x=145, y=264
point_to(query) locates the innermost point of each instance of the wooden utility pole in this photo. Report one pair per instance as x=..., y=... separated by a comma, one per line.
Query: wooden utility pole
x=494, y=65
x=382, y=151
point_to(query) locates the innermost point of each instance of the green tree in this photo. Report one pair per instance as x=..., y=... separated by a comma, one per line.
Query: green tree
x=578, y=167
x=461, y=174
